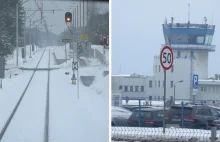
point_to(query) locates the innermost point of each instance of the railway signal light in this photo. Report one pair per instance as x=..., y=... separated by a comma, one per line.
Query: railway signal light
x=68, y=17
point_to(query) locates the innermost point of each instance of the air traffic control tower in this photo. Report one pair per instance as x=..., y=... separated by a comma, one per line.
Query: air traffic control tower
x=191, y=44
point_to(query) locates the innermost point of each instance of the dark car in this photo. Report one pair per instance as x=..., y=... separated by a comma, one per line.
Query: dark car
x=195, y=116
x=150, y=117
x=131, y=108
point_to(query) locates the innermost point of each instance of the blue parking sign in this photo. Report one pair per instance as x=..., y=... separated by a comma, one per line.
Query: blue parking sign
x=195, y=80
x=127, y=99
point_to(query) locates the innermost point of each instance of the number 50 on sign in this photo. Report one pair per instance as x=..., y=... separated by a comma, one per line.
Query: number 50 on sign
x=166, y=57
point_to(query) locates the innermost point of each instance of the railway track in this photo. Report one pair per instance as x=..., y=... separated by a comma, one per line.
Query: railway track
x=24, y=94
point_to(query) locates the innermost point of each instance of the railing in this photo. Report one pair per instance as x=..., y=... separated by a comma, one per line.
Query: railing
x=141, y=134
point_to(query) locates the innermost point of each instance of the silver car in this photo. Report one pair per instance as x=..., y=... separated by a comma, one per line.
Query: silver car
x=120, y=116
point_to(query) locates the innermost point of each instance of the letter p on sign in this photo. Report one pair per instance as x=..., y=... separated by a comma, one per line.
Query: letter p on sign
x=195, y=80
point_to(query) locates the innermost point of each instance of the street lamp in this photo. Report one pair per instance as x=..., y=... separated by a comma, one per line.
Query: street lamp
x=174, y=96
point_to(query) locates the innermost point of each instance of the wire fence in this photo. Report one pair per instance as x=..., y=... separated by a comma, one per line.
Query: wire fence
x=136, y=134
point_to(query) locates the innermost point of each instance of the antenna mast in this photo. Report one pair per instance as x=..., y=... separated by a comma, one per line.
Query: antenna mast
x=189, y=12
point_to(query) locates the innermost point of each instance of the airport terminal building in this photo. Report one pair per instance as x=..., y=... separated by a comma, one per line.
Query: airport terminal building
x=191, y=44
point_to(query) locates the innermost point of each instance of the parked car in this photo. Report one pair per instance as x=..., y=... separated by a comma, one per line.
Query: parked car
x=120, y=116
x=195, y=116
x=150, y=117
x=131, y=108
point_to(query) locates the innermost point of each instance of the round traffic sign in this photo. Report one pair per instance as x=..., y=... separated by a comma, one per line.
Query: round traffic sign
x=166, y=57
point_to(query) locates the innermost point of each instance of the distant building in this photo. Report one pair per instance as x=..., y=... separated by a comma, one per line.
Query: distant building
x=191, y=44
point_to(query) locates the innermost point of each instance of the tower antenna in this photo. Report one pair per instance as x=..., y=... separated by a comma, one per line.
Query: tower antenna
x=189, y=12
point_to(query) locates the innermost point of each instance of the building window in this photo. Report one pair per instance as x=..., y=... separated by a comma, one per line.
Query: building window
x=178, y=54
x=155, y=84
x=120, y=87
x=126, y=88
x=213, y=88
x=142, y=88
x=205, y=89
x=131, y=88
x=159, y=68
x=171, y=84
x=150, y=84
x=172, y=69
x=159, y=84
x=136, y=88
x=155, y=68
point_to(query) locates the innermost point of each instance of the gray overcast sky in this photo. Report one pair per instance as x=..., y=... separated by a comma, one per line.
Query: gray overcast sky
x=137, y=31
x=57, y=19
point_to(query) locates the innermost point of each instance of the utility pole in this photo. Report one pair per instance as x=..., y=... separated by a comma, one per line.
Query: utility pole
x=83, y=17
x=30, y=38
x=17, y=34
x=80, y=11
x=24, y=39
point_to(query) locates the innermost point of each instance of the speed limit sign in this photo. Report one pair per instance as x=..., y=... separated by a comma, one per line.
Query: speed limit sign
x=166, y=57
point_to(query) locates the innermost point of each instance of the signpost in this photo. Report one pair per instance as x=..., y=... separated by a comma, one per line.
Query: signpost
x=2, y=70
x=83, y=36
x=166, y=61
x=195, y=82
x=67, y=40
x=127, y=99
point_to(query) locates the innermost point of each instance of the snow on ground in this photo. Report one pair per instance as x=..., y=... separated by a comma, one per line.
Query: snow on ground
x=10, y=94
x=156, y=134
x=60, y=51
x=11, y=62
x=71, y=119
x=80, y=120
x=154, y=103
x=98, y=47
x=28, y=122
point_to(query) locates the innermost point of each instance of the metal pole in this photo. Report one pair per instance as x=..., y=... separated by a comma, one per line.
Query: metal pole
x=30, y=38
x=77, y=73
x=164, y=109
x=1, y=83
x=213, y=134
x=182, y=114
x=87, y=14
x=174, y=96
x=25, y=40
x=80, y=21
x=83, y=17
x=17, y=33
x=65, y=53
x=139, y=113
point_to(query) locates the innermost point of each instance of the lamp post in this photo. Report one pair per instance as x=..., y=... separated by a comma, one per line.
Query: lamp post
x=174, y=96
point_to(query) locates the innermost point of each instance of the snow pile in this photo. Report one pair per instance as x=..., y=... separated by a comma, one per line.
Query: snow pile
x=11, y=68
x=94, y=62
x=98, y=47
x=60, y=51
x=156, y=134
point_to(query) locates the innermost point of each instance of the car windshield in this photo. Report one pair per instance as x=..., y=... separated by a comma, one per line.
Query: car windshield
x=54, y=70
x=177, y=111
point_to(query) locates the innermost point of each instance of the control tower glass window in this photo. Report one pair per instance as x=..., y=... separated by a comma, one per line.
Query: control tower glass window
x=208, y=40
x=196, y=39
x=177, y=39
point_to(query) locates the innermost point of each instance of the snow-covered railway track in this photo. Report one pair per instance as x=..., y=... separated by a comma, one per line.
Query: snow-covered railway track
x=29, y=120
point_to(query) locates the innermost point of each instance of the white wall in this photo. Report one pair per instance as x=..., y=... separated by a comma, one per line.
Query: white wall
x=133, y=81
